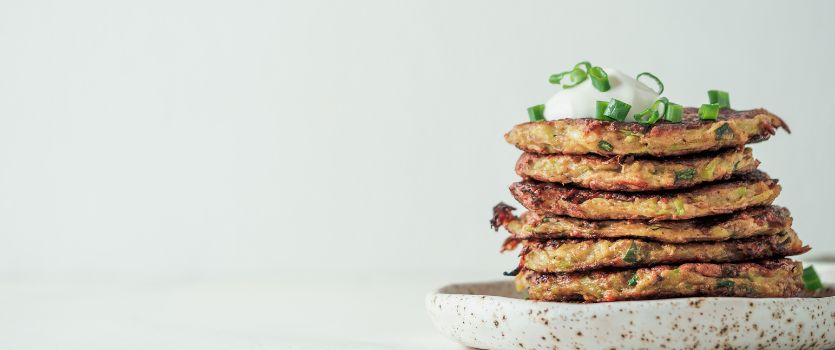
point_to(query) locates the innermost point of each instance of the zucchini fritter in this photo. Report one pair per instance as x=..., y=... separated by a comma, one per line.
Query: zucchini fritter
x=753, y=189
x=692, y=135
x=745, y=223
x=774, y=278
x=584, y=255
x=635, y=174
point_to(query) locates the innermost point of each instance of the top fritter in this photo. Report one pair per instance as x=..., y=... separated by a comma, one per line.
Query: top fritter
x=692, y=135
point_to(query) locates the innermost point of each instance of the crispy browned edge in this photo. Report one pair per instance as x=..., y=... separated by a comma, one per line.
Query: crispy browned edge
x=690, y=120
x=725, y=270
x=753, y=248
x=627, y=159
x=531, y=192
x=774, y=216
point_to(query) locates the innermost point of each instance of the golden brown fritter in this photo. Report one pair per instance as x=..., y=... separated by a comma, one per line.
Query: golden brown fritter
x=745, y=223
x=745, y=191
x=635, y=174
x=774, y=278
x=582, y=136
x=584, y=255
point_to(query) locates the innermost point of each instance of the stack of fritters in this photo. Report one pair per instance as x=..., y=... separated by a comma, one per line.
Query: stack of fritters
x=624, y=211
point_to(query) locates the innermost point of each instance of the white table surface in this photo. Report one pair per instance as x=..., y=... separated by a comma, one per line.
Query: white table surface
x=327, y=311
x=383, y=311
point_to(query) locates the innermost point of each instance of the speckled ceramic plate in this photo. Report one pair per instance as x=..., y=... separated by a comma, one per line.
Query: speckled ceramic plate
x=492, y=315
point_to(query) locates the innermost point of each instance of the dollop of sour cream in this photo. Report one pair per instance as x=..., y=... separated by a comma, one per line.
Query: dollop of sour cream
x=579, y=101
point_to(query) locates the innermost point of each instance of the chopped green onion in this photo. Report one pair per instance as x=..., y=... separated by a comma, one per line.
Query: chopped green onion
x=617, y=110
x=651, y=115
x=653, y=77
x=631, y=254
x=585, y=64
x=647, y=117
x=725, y=283
x=633, y=281
x=719, y=97
x=678, y=203
x=599, y=79
x=723, y=130
x=536, y=113
x=605, y=146
x=600, y=110
x=709, y=169
x=709, y=111
x=575, y=77
x=686, y=174
x=513, y=272
x=556, y=78
x=811, y=280
x=659, y=102
x=673, y=113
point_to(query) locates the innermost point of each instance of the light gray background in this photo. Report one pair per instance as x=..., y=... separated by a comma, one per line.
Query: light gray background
x=206, y=137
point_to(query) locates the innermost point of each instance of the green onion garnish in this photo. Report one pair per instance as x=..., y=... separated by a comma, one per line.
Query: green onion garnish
x=536, y=113
x=617, y=110
x=810, y=279
x=709, y=111
x=651, y=115
x=659, y=102
x=599, y=79
x=585, y=64
x=647, y=117
x=653, y=77
x=673, y=113
x=600, y=110
x=575, y=77
x=556, y=78
x=719, y=97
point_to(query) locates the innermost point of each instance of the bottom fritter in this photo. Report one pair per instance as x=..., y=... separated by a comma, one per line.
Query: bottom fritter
x=775, y=278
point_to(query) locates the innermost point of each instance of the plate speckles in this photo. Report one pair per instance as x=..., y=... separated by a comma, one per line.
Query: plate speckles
x=492, y=315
